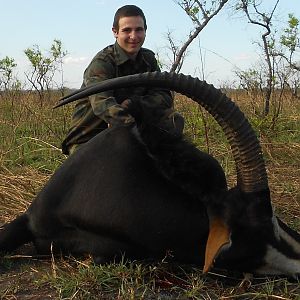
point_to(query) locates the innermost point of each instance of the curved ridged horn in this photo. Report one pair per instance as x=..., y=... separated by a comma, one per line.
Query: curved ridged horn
x=247, y=153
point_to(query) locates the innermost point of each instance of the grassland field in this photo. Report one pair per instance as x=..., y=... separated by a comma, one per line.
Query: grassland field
x=31, y=133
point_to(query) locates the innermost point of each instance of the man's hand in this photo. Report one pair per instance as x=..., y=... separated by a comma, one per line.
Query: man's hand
x=126, y=103
x=123, y=117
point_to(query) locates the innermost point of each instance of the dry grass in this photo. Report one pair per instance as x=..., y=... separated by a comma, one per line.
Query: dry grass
x=279, y=138
x=30, y=153
x=17, y=189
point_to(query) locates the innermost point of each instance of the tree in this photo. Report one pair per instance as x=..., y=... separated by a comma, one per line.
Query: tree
x=7, y=65
x=257, y=17
x=43, y=67
x=278, y=69
x=290, y=43
x=290, y=40
x=58, y=54
x=200, y=12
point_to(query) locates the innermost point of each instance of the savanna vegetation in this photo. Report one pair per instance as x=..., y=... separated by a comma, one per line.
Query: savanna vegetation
x=30, y=152
x=31, y=133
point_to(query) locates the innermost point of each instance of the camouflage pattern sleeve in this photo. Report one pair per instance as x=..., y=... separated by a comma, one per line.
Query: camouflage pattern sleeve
x=156, y=98
x=104, y=104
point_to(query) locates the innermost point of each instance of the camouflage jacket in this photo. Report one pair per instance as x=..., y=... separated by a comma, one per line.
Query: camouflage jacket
x=92, y=114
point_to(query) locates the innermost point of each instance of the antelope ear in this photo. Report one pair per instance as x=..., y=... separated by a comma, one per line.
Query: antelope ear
x=219, y=235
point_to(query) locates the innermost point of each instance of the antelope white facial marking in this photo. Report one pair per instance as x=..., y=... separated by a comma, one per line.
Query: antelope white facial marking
x=277, y=263
x=276, y=227
x=295, y=245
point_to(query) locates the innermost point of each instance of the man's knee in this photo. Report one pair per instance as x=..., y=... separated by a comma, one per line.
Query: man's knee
x=73, y=148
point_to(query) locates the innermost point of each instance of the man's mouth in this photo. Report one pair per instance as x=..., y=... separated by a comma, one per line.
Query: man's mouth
x=133, y=44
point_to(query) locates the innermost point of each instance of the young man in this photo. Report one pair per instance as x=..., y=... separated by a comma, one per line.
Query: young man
x=125, y=57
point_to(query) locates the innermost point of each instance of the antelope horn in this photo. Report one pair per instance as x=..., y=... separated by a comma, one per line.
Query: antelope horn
x=247, y=153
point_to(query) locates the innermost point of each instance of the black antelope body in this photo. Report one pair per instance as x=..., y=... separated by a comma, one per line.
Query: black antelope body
x=139, y=191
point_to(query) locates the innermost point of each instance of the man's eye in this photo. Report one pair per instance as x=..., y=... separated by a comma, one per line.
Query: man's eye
x=126, y=30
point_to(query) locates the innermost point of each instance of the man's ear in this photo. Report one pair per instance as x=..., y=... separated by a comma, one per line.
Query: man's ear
x=115, y=32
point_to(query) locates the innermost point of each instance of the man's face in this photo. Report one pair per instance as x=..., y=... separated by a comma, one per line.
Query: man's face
x=131, y=34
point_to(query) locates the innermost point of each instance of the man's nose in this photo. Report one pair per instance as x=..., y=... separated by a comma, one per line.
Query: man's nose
x=133, y=34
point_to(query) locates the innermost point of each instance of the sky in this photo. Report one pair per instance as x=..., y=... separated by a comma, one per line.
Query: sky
x=84, y=27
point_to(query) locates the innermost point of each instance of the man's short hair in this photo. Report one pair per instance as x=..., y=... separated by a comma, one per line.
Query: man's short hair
x=128, y=11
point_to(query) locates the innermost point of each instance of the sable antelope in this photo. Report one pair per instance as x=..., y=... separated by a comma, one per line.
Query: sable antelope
x=139, y=191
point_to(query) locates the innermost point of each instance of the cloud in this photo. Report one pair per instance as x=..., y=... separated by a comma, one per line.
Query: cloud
x=75, y=60
x=243, y=57
x=246, y=56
